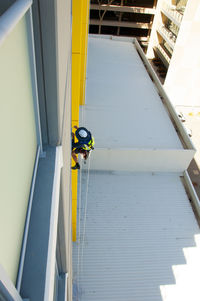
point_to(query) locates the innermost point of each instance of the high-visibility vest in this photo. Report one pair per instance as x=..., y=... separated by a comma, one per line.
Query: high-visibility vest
x=89, y=146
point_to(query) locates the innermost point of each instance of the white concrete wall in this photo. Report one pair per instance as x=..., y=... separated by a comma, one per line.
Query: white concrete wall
x=183, y=77
x=153, y=41
x=140, y=160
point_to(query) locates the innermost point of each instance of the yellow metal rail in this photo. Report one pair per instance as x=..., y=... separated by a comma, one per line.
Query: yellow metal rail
x=80, y=24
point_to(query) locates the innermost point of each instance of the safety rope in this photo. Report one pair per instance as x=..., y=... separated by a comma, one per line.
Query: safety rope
x=85, y=214
x=79, y=222
x=80, y=207
x=80, y=238
x=82, y=230
x=80, y=203
x=81, y=241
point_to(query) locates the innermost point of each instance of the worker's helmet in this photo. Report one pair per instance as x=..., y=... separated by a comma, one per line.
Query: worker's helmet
x=83, y=133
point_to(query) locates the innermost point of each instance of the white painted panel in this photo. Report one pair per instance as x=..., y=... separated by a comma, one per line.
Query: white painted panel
x=138, y=228
x=145, y=160
x=18, y=143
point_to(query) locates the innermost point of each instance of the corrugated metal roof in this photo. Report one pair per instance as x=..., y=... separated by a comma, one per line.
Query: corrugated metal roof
x=123, y=107
x=138, y=227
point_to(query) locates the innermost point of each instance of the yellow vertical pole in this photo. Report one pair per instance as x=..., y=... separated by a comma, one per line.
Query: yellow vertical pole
x=76, y=78
x=84, y=37
x=80, y=23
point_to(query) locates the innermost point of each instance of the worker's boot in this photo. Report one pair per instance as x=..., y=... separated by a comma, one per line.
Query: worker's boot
x=77, y=166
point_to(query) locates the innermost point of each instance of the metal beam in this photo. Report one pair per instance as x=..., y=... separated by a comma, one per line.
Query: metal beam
x=142, y=39
x=12, y=16
x=7, y=288
x=51, y=256
x=121, y=24
x=124, y=9
x=32, y=55
x=27, y=223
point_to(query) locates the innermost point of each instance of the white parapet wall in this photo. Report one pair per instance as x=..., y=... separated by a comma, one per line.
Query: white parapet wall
x=140, y=160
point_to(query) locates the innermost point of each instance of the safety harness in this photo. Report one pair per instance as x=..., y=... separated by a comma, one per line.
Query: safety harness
x=89, y=146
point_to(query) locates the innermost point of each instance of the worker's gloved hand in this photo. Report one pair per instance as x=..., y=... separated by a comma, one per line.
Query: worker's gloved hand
x=86, y=155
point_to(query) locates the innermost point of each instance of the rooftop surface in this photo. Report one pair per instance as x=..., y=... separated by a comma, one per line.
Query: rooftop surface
x=137, y=239
x=123, y=107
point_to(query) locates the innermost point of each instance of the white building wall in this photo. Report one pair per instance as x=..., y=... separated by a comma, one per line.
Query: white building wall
x=153, y=41
x=140, y=160
x=183, y=76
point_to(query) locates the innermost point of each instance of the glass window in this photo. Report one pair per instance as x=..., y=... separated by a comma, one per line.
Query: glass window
x=19, y=144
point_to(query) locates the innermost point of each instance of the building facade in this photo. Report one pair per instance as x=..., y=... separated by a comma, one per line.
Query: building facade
x=36, y=193
x=123, y=18
x=174, y=41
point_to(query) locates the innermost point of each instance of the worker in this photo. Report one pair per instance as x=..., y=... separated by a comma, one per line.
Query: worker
x=84, y=145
